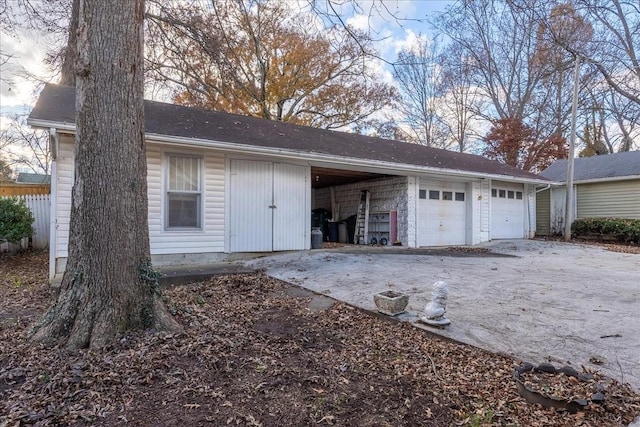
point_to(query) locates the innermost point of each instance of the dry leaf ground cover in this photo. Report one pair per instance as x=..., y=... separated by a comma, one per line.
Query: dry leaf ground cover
x=253, y=355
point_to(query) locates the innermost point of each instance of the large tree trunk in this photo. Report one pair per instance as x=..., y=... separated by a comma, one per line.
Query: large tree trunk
x=108, y=286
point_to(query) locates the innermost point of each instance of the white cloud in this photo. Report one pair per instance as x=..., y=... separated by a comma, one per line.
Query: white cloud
x=27, y=51
x=410, y=42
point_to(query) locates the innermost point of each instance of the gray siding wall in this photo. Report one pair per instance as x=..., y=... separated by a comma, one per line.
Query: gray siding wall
x=543, y=213
x=620, y=199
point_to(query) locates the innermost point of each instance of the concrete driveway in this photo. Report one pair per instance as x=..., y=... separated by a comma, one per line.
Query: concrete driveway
x=542, y=302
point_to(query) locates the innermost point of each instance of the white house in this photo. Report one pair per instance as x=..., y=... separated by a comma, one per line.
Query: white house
x=221, y=183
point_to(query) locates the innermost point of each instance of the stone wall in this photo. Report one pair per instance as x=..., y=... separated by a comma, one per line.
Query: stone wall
x=387, y=194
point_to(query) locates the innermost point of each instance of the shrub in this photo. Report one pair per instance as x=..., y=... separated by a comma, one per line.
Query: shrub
x=623, y=229
x=15, y=220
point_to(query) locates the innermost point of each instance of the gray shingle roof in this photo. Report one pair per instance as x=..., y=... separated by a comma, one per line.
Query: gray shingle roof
x=56, y=104
x=618, y=165
x=33, y=178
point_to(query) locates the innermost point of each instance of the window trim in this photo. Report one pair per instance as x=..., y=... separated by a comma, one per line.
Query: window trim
x=199, y=192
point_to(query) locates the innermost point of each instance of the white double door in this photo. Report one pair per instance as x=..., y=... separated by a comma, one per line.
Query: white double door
x=269, y=206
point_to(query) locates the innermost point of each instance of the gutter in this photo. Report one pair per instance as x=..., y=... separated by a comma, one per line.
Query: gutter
x=608, y=179
x=543, y=189
x=340, y=160
x=296, y=155
x=598, y=180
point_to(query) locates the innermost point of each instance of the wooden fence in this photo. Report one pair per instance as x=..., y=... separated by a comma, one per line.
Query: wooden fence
x=15, y=189
x=40, y=206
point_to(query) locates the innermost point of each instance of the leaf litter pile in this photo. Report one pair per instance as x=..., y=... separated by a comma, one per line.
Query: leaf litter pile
x=254, y=354
x=559, y=385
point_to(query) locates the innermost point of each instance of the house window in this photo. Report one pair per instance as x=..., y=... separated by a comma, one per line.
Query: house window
x=494, y=192
x=459, y=197
x=519, y=195
x=434, y=195
x=447, y=195
x=423, y=194
x=502, y=194
x=184, y=192
x=510, y=194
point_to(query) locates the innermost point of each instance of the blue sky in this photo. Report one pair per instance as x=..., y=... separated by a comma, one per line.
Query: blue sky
x=395, y=23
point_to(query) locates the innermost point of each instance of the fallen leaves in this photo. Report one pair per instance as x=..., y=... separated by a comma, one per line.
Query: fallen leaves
x=252, y=355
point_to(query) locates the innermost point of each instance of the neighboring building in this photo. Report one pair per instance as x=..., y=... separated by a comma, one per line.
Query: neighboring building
x=605, y=186
x=221, y=183
x=33, y=178
x=26, y=184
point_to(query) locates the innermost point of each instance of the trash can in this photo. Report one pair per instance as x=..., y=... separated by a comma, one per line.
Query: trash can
x=343, y=237
x=333, y=231
x=316, y=238
x=320, y=218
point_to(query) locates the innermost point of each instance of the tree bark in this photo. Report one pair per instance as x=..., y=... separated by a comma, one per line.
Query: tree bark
x=67, y=73
x=108, y=286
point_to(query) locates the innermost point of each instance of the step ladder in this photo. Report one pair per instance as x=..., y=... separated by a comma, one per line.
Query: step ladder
x=361, y=234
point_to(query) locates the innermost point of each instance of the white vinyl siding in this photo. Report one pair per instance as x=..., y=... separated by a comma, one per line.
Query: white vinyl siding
x=208, y=238
x=64, y=183
x=620, y=199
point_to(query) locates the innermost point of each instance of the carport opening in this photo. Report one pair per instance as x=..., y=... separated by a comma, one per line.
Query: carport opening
x=325, y=178
x=336, y=198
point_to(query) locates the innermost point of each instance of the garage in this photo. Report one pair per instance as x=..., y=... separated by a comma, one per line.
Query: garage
x=268, y=206
x=507, y=211
x=442, y=213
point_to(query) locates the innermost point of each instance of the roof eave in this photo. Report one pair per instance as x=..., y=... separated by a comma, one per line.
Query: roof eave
x=340, y=160
x=48, y=124
x=307, y=156
x=607, y=179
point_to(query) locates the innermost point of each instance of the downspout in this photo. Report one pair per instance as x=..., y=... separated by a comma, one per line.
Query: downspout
x=543, y=189
x=531, y=232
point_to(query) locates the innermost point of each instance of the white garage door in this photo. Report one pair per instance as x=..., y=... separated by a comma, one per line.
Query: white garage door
x=442, y=209
x=507, y=211
x=268, y=207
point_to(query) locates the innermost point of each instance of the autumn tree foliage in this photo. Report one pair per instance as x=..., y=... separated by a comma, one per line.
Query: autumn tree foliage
x=512, y=142
x=263, y=59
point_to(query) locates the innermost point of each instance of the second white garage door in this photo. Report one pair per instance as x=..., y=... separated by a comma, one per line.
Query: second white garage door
x=442, y=210
x=507, y=211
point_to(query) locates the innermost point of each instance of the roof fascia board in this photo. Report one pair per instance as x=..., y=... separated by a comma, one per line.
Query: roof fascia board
x=608, y=179
x=48, y=124
x=243, y=148
x=388, y=166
